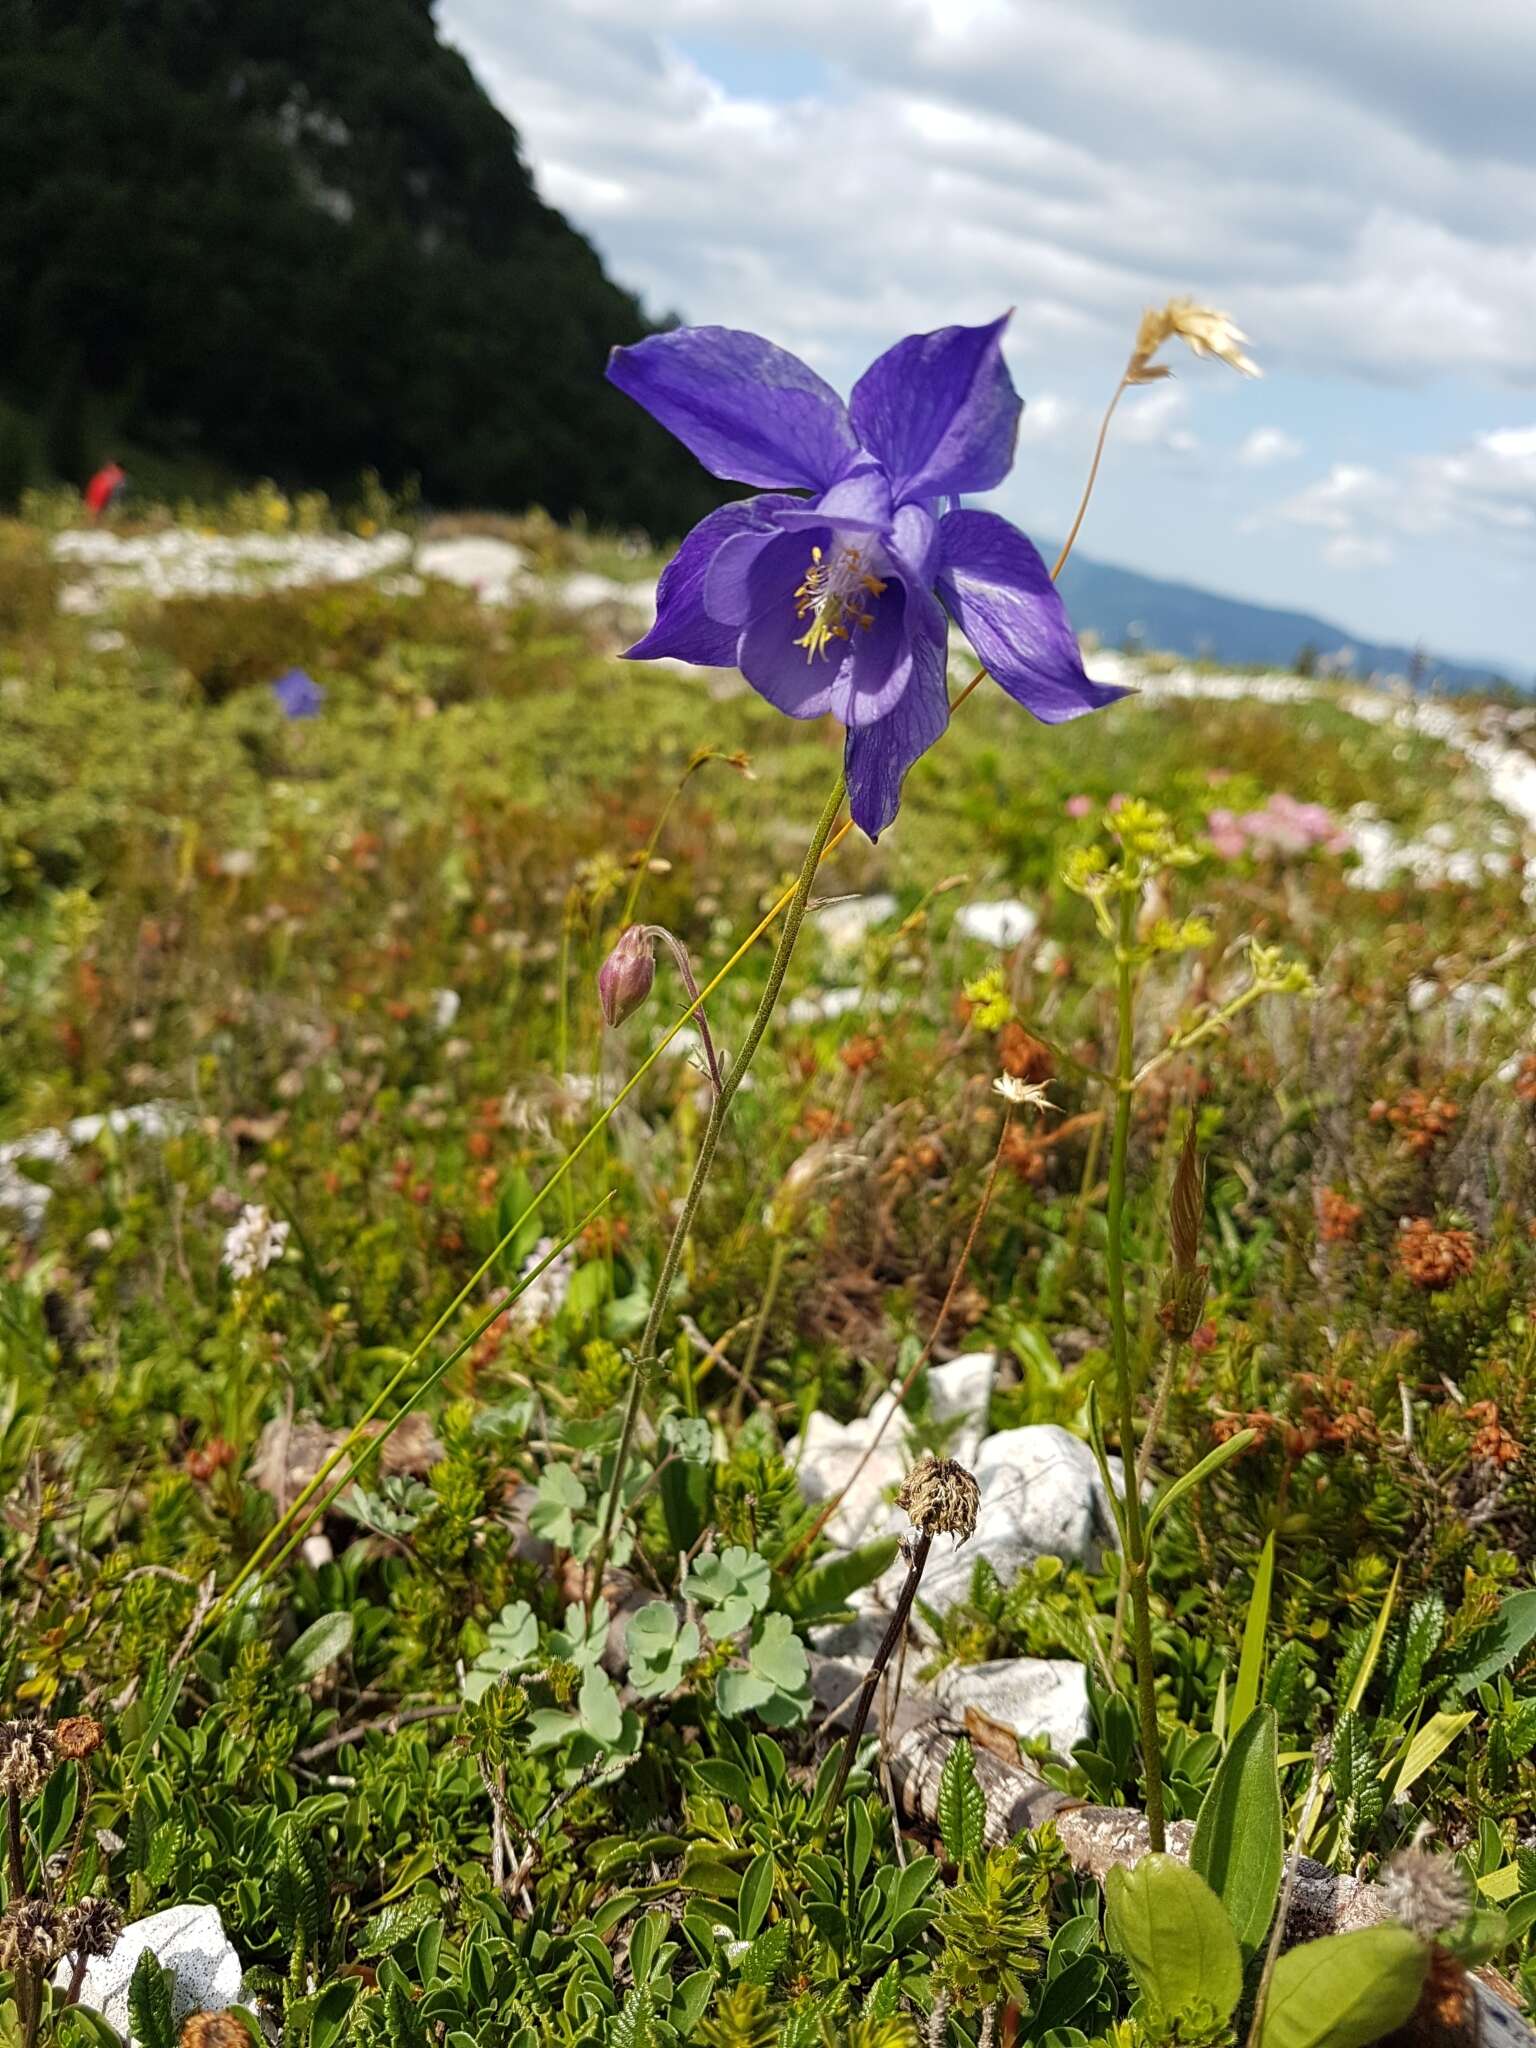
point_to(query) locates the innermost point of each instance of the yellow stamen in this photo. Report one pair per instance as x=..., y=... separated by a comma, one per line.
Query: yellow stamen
x=836, y=596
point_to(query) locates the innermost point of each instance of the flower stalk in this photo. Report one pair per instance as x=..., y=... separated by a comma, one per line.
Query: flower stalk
x=1137, y=1553
x=645, y=1355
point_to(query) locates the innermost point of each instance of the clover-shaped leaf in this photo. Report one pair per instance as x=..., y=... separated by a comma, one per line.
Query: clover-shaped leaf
x=581, y=1642
x=514, y=1643
x=731, y=1586
x=660, y=1649
x=561, y=1498
x=776, y=1685
x=690, y=1437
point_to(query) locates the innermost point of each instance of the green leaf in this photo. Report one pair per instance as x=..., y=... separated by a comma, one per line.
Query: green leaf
x=1250, y=1664
x=962, y=1806
x=1212, y=1462
x=1344, y=1991
x=756, y=1892
x=321, y=1644
x=149, y=2003
x=1173, y=1932
x=1373, y=1647
x=331, y=2009
x=828, y=1586
x=1423, y=1749
x=561, y=1498
x=1239, y=1841
x=1501, y=1642
x=597, y=1705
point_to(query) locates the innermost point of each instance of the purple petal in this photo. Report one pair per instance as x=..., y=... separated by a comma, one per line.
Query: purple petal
x=746, y=409
x=684, y=629
x=940, y=412
x=877, y=757
x=769, y=654
x=1000, y=594
x=874, y=673
x=913, y=543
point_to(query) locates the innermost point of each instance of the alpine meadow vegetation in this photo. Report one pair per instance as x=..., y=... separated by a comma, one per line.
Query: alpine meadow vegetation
x=743, y=1343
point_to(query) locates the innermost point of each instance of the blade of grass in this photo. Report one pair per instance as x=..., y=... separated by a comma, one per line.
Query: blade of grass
x=1373, y=1647
x=1211, y=1462
x=1250, y=1664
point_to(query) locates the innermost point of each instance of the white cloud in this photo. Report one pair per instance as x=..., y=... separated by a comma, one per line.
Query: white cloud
x=1048, y=417
x=1483, y=492
x=1266, y=445
x=1078, y=162
x=1154, y=418
x=1357, y=551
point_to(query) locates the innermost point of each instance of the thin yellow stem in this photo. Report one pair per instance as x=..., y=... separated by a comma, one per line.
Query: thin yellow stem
x=1093, y=473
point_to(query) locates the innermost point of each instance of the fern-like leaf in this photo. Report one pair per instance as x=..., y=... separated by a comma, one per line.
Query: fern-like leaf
x=962, y=1806
x=149, y=2003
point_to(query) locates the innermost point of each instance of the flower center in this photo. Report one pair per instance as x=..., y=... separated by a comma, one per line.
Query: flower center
x=837, y=595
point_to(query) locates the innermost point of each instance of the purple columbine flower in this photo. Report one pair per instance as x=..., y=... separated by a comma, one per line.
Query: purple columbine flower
x=298, y=694
x=835, y=600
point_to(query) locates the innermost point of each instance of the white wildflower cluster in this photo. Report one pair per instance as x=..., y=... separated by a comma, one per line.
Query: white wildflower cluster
x=545, y=1296
x=253, y=1242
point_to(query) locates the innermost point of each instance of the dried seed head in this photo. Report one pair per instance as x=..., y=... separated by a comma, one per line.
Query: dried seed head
x=92, y=1928
x=214, y=2030
x=1207, y=332
x=28, y=1754
x=624, y=980
x=1424, y=1892
x=78, y=1737
x=1183, y=1303
x=1016, y=1091
x=940, y=1498
x=31, y=1932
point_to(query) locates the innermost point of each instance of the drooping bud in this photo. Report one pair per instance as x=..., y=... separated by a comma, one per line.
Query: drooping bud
x=1184, y=1284
x=625, y=977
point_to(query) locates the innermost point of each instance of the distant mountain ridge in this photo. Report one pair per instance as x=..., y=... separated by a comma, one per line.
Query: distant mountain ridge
x=1120, y=605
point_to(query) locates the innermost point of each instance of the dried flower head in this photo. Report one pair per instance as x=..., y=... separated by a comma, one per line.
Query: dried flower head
x=821, y=1164
x=91, y=1928
x=1207, y=332
x=1424, y=1892
x=31, y=1932
x=28, y=1753
x=78, y=1737
x=214, y=2030
x=940, y=1498
x=1016, y=1091
x=626, y=977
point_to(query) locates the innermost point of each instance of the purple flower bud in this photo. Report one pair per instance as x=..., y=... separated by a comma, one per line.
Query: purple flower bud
x=625, y=977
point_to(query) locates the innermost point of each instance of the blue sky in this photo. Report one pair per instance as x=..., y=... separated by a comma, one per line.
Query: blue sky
x=1356, y=186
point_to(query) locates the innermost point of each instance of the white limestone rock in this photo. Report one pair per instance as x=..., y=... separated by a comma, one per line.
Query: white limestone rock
x=189, y=1941
x=1041, y=1496
x=1033, y=1696
x=844, y=925
x=1005, y=923
x=829, y=1451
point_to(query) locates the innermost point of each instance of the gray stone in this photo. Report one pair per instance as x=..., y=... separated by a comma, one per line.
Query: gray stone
x=1033, y=1696
x=189, y=1941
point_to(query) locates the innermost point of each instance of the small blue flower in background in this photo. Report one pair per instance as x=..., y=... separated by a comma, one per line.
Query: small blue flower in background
x=836, y=600
x=298, y=694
